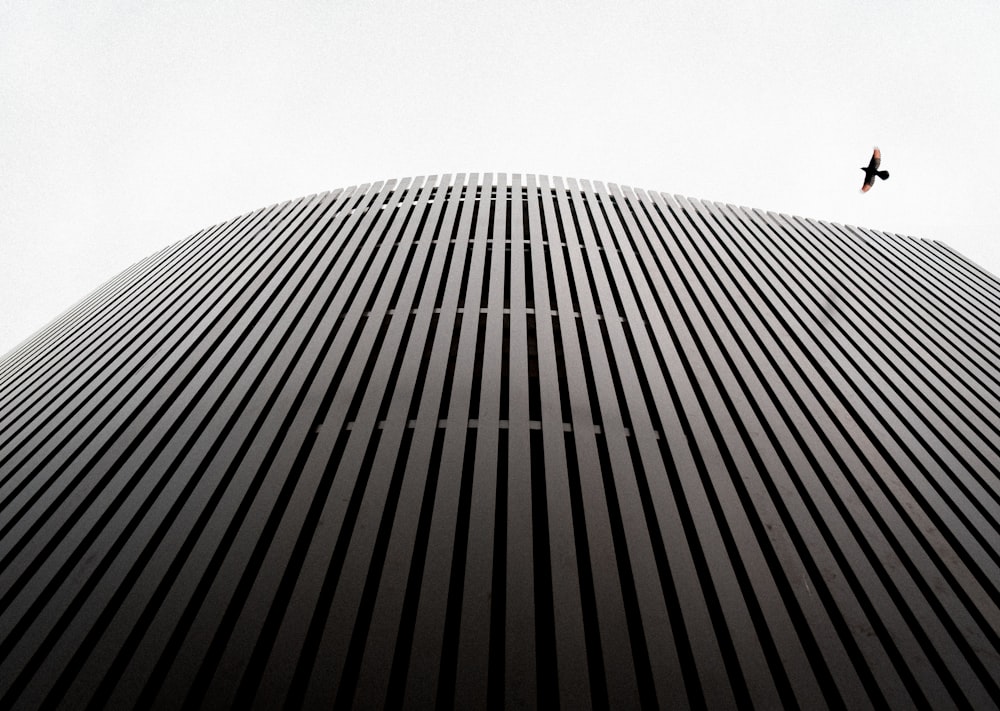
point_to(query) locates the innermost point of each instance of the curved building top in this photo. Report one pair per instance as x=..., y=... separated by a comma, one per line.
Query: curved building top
x=509, y=439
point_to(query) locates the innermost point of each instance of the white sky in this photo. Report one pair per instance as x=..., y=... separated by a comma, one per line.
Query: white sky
x=127, y=126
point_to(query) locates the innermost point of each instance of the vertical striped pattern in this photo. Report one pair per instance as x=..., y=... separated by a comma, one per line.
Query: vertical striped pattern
x=468, y=440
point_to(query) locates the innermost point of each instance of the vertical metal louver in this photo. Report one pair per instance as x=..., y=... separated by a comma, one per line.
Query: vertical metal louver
x=509, y=440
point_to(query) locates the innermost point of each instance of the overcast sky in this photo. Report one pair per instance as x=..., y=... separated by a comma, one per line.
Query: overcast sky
x=125, y=127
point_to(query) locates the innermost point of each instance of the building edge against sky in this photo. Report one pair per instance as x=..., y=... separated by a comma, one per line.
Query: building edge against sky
x=454, y=439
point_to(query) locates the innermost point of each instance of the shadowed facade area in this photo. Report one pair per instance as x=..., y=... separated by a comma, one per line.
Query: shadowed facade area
x=509, y=440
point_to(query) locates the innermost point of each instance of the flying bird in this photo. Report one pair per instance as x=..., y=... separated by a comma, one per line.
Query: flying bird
x=872, y=170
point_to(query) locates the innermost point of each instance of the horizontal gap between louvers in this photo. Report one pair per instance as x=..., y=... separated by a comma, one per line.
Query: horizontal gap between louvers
x=473, y=424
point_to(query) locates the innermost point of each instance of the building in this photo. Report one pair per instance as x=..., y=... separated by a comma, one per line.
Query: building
x=507, y=439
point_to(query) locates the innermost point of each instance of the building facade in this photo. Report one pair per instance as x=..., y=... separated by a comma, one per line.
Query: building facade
x=509, y=440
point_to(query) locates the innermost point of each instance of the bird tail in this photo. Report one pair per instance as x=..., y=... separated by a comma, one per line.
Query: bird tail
x=884, y=174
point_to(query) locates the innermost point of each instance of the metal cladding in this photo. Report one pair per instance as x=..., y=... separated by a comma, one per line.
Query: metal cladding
x=509, y=440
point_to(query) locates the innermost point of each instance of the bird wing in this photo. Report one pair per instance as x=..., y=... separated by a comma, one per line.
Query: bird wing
x=876, y=159
x=868, y=185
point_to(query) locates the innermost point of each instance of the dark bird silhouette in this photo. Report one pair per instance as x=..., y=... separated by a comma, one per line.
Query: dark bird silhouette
x=872, y=170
